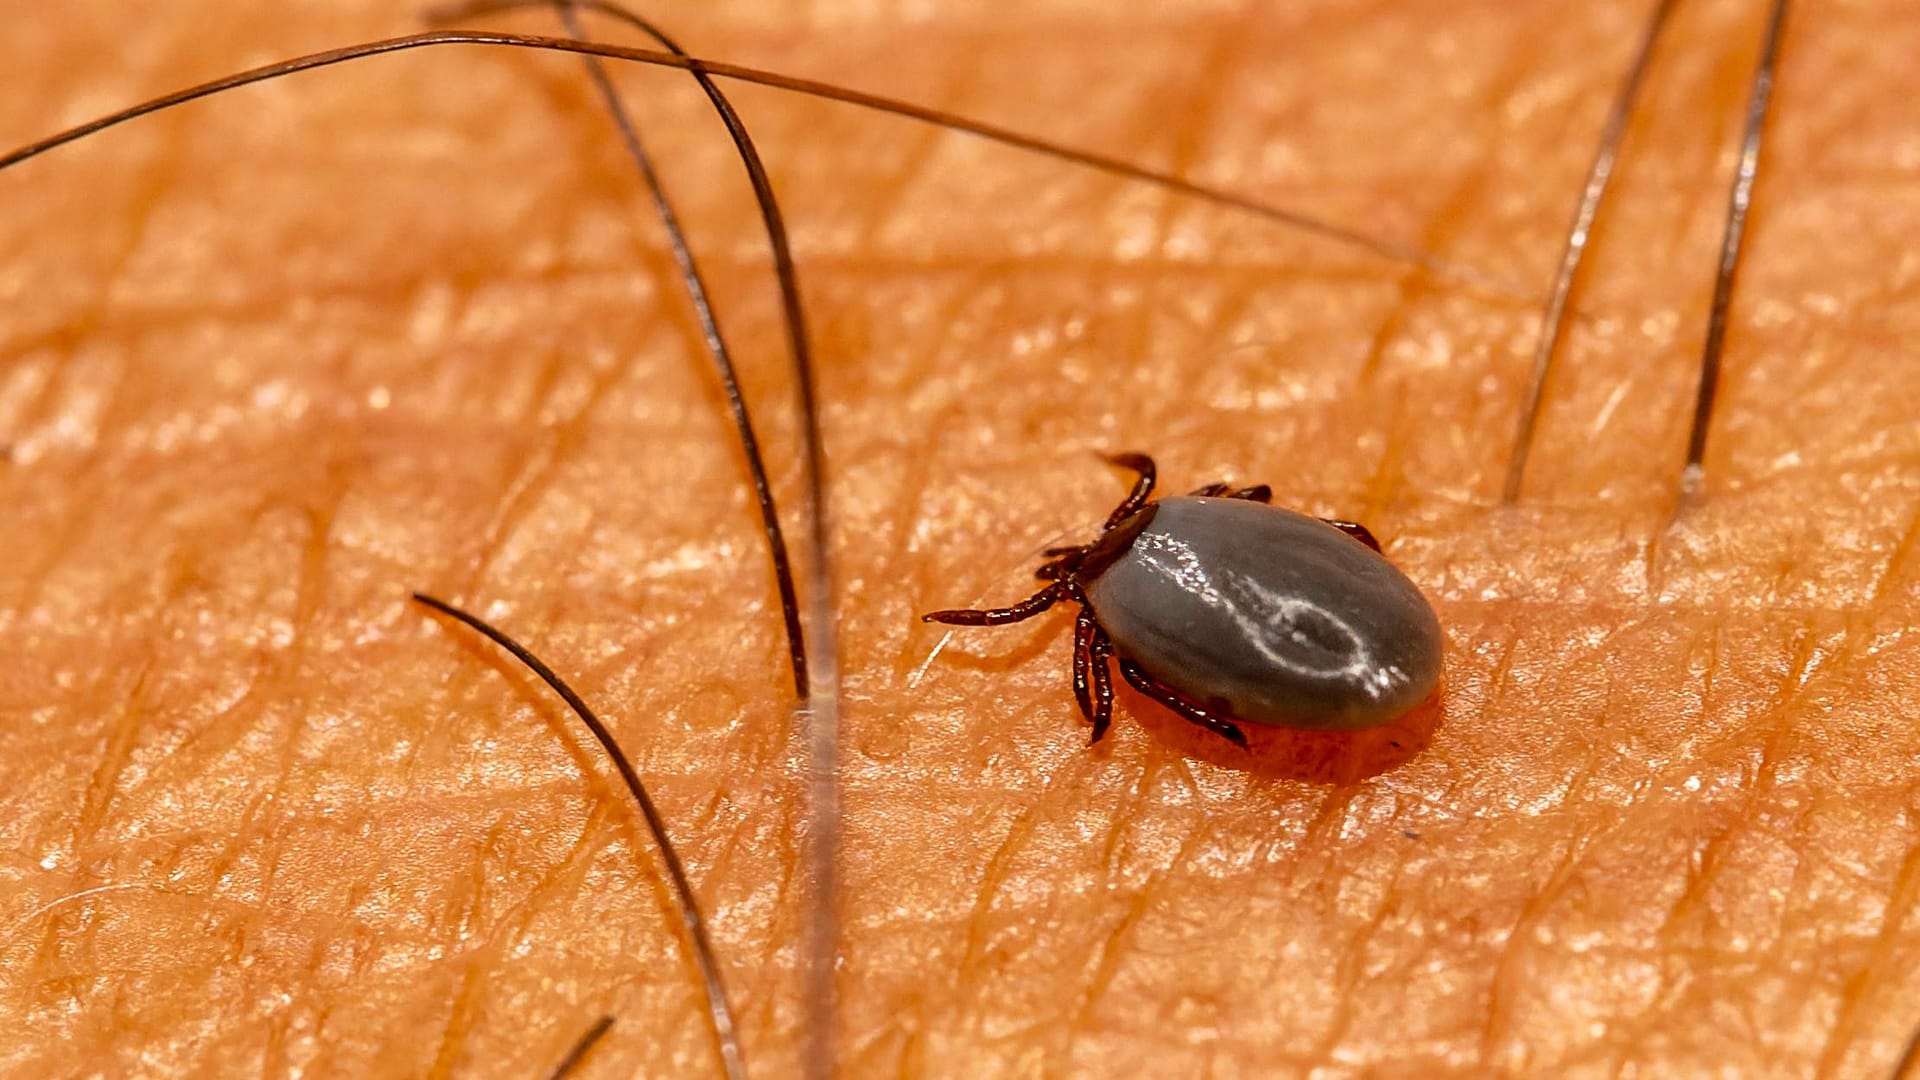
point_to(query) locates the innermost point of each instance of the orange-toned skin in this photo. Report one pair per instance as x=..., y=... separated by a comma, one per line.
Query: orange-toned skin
x=270, y=362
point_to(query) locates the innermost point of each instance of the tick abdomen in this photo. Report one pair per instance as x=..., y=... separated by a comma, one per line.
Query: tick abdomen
x=1272, y=616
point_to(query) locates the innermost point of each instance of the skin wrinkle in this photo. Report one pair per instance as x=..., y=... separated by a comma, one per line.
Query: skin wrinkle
x=524, y=911
x=542, y=464
x=536, y=472
x=1351, y=965
x=313, y=576
x=156, y=179
x=1211, y=54
x=1903, y=550
x=1858, y=989
x=1415, y=286
x=1580, y=707
x=1017, y=835
x=1100, y=978
x=922, y=144
x=583, y=761
x=1495, y=1041
x=106, y=776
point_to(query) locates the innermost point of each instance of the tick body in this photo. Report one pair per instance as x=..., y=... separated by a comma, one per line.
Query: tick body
x=1228, y=610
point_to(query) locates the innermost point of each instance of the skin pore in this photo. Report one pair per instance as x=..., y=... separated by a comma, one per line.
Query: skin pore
x=270, y=362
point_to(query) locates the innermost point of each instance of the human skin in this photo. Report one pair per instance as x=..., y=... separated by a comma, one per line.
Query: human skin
x=270, y=362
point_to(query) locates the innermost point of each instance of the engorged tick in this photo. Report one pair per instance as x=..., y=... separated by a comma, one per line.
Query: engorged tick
x=1225, y=609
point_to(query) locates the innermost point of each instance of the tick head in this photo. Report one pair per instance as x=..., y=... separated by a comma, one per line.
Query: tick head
x=1115, y=543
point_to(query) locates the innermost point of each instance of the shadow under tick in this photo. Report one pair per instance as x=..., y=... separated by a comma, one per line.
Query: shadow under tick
x=1335, y=758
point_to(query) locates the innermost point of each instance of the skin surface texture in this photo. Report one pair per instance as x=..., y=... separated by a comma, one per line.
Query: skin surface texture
x=1284, y=619
x=270, y=362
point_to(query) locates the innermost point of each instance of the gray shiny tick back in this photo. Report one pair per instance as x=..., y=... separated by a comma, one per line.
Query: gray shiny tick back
x=1225, y=609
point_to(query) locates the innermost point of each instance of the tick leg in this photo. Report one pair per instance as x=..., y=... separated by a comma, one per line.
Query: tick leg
x=1059, y=568
x=1145, y=683
x=1142, y=485
x=1211, y=490
x=1259, y=493
x=1025, y=609
x=1356, y=530
x=1084, y=633
x=1102, y=651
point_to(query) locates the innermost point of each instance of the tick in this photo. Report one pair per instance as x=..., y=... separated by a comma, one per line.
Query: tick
x=1228, y=610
